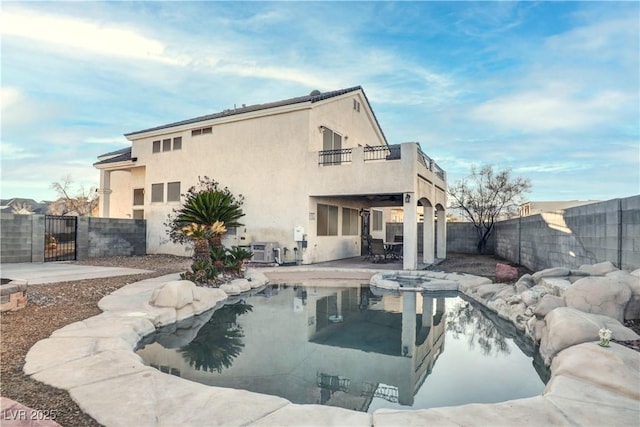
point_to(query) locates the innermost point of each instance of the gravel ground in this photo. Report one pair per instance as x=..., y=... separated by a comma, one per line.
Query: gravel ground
x=50, y=307
x=53, y=306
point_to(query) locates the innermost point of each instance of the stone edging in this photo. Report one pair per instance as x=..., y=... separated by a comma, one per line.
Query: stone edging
x=94, y=361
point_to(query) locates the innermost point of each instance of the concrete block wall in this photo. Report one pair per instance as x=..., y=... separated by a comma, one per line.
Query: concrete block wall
x=17, y=236
x=462, y=238
x=22, y=237
x=630, y=230
x=605, y=231
x=116, y=237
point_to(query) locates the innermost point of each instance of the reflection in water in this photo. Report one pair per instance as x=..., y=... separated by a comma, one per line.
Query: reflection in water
x=384, y=351
x=465, y=320
x=219, y=341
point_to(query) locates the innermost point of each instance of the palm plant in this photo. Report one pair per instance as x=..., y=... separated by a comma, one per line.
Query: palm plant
x=210, y=206
x=200, y=235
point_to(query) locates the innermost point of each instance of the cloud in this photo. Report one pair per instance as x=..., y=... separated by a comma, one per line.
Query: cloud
x=9, y=151
x=110, y=140
x=72, y=33
x=548, y=109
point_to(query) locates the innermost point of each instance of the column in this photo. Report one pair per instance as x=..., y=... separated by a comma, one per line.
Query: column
x=441, y=229
x=105, y=193
x=410, y=232
x=428, y=236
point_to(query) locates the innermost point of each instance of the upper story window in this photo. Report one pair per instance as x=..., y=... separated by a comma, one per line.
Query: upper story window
x=157, y=193
x=331, y=141
x=201, y=131
x=356, y=105
x=173, y=191
x=138, y=196
x=167, y=144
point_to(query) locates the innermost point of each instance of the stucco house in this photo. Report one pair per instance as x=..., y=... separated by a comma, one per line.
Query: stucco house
x=315, y=171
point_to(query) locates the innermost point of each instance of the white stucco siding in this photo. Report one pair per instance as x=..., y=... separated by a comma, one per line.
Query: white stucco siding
x=324, y=248
x=262, y=159
x=120, y=204
x=339, y=115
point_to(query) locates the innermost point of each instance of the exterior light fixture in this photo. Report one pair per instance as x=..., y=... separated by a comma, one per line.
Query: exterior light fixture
x=407, y=198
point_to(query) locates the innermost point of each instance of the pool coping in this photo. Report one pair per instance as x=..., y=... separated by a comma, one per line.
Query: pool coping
x=94, y=361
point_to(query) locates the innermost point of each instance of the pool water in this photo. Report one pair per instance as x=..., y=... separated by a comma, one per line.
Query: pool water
x=353, y=347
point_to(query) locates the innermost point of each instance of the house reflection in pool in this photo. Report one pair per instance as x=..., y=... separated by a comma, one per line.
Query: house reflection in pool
x=338, y=346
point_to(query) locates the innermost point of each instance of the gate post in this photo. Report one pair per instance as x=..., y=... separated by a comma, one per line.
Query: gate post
x=82, y=238
x=37, y=238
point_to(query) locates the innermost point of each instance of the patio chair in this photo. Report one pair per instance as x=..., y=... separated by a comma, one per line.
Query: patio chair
x=396, y=251
x=377, y=250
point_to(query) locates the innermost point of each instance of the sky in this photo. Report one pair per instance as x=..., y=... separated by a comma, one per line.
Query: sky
x=550, y=90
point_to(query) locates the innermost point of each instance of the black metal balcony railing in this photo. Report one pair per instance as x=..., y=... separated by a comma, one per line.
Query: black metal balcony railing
x=334, y=157
x=430, y=164
x=382, y=152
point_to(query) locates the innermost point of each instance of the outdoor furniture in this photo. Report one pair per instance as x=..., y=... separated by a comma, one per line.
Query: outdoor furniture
x=394, y=250
x=377, y=249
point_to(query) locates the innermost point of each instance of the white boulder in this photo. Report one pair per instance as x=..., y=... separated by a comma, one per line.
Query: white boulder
x=599, y=295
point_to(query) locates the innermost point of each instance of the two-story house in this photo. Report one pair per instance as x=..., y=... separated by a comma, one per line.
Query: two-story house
x=315, y=172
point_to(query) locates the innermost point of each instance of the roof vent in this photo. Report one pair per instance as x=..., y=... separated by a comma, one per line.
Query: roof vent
x=315, y=92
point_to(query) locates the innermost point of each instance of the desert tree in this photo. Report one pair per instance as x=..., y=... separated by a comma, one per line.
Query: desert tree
x=486, y=196
x=78, y=201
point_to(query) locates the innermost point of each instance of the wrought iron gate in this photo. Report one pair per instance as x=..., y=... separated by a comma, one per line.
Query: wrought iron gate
x=60, y=235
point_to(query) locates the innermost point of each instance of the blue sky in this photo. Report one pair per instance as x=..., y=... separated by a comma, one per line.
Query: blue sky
x=550, y=90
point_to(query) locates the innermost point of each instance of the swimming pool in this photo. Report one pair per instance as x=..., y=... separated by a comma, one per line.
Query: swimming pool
x=352, y=346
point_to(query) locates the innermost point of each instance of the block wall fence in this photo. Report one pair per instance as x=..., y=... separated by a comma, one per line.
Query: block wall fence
x=22, y=237
x=605, y=231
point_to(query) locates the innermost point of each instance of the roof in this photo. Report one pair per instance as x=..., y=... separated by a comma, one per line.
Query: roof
x=313, y=97
x=122, y=155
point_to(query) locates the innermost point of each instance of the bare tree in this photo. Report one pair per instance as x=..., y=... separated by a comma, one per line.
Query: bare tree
x=486, y=195
x=79, y=202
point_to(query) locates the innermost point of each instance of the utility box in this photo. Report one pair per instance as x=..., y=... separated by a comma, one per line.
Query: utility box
x=264, y=252
x=298, y=234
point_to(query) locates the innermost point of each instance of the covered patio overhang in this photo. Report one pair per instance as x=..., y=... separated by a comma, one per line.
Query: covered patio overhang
x=434, y=241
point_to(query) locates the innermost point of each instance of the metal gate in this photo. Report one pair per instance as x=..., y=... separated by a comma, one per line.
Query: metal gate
x=60, y=235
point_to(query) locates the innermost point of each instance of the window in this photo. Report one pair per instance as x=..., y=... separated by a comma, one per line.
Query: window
x=157, y=193
x=377, y=220
x=332, y=141
x=356, y=105
x=201, y=131
x=138, y=196
x=177, y=143
x=349, y=222
x=156, y=146
x=166, y=144
x=173, y=192
x=327, y=220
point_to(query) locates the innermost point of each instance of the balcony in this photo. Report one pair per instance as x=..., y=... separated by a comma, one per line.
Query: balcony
x=374, y=171
x=376, y=153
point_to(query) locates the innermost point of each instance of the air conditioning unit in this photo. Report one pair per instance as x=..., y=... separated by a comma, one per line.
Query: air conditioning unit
x=264, y=252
